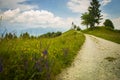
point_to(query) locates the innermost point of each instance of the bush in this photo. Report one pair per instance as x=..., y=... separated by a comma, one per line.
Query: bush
x=51, y=34
x=108, y=23
x=25, y=35
x=10, y=36
x=78, y=28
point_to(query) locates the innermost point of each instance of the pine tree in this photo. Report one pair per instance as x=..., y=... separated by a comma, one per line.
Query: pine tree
x=94, y=13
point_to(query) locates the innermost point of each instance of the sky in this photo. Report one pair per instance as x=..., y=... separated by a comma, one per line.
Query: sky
x=41, y=16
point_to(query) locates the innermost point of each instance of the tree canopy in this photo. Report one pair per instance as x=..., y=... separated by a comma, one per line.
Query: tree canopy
x=93, y=16
x=25, y=35
x=85, y=18
x=51, y=34
x=108, y=23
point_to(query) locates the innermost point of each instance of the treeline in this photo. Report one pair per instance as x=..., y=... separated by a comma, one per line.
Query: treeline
x=26, y=35
x=10, y=36
x=51, y=34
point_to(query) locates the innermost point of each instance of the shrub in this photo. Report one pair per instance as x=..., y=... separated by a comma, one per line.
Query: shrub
x=51, y=34
x=25, y=35
x=10, y=36
x=108, y=23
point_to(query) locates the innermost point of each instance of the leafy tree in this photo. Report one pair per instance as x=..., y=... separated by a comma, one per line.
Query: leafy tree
x=51, y=34
x=78, y=28
x=10, y=36
x=6, y=36
x=93, y=16
x=14, y=36
x=25, y=35
x=33, y=37
x=75, y=27
x=85, y=18
x=108, y=23
x=58, y=33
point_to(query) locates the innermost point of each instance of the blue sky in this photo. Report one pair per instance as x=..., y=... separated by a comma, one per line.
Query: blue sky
x=113, y=9
x=58, y=7
x=41, y=16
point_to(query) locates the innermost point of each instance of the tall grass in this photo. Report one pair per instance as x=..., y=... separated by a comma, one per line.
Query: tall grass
x=38, y=59
x=106, y=33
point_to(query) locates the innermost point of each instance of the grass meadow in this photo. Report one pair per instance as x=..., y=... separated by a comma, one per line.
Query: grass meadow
x=38, y=59
x=106, y=33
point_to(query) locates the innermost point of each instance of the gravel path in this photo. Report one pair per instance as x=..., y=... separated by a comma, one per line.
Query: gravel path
x=98, y=59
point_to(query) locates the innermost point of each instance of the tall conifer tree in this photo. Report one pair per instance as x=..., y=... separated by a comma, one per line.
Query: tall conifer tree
x=94, y=13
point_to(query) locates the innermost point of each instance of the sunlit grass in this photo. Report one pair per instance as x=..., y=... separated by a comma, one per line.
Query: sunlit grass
x=106, y=33
x=38, y=59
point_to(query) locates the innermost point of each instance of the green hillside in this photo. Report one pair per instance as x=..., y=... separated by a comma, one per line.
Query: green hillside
x=38, y=59
x=106, y=33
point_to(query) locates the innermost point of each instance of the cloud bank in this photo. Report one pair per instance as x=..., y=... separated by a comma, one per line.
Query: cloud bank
x=116, y=22
x=28, y=16
x=78, y=6
x=13, y=4
x=105, y=2
x=35, y=19
x=81, y=6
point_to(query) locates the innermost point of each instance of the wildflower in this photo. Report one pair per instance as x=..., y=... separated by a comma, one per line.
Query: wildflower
x=38, y=66
x=45, y=52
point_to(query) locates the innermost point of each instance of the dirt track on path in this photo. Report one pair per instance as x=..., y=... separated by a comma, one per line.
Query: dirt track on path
x=98, y=59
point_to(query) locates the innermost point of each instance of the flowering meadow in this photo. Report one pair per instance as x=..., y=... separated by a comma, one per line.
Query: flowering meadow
x=38, y=59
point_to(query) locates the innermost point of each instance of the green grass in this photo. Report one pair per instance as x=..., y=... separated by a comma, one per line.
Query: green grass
x=38, y=59
x=108, y=34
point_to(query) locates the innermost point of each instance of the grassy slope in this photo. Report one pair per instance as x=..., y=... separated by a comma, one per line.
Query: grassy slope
x=38, y=59
x=112, y=35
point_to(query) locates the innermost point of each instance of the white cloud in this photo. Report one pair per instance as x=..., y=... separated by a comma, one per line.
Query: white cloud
x=79, y=6
x=42, y=18
x=36, y=18
x=104, y=16
x=105, y=2
x=13, y=4
x=116, y=22
x=8, y=15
